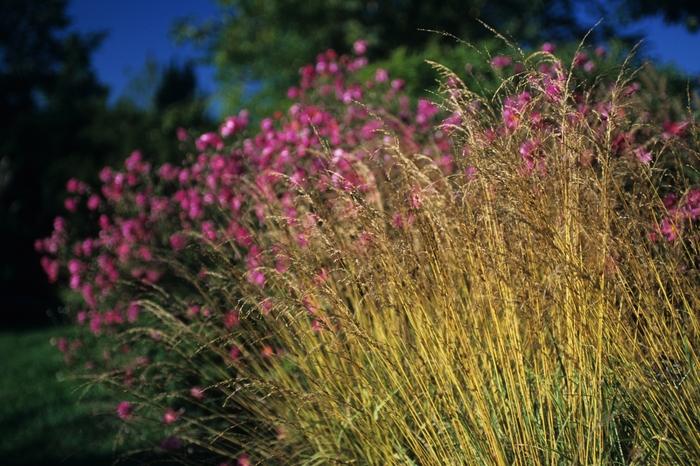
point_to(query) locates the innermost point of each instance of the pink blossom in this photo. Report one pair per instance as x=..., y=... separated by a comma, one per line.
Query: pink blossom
x=197, y=393
x=177, y=241
x=670, y=201
x=643, y=155
x=132, y=312
x=548, y=47
x=125, y=410
x=209, y=140
x=96, y=323
x=580, y=59
x=71, y=204
x=73, y=186
x=692, y=204
x=398, y=84
x=170, y=416
x=500, y=61
x=257, y=278
x=50, y=267
x=231, y=319
x=209, y=231
x=425, y=111
x=669, y=229
x=360, y=47
x=293, y=92
x=381, y=75
x=93, y=202
x=674, y=129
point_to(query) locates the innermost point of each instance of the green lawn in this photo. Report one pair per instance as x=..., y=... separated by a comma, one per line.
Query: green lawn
x=44, y=419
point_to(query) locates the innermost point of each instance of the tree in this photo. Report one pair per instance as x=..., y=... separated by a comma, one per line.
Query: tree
x=49, y=94
x=55, y=123
x=686, y=12
x=258, y=46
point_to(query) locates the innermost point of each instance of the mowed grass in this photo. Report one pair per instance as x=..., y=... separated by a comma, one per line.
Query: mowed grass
x=46, y=418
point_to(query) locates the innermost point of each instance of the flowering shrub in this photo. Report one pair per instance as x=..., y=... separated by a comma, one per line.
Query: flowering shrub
x=326, y=286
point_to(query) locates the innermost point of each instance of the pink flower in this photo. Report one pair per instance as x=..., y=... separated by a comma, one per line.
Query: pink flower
x=234, y=124
x=71, y=204
x=500, y=61
x=231, y=319
x=293, y=92
x=398, y=84
x=580, y=59
x=50, y=267
x=197, y=393
x=96, y=323
x=670, y=201
x=125, y=410
x=415, y=199
x=170, y=416
x=674, y=129
x=425, y=111
x=234, y=353
x=692, y=204
x=132, y=313
x=528, y=147
x=73, y=186
x=93, y=202
x=643, y=155
x=669, y=229
x=209, y=140
x=61, y=344
x=177, y=241
x=548, y=47
x=209, y=231
x=381, y=76
x=360, y=47
x=257, y=278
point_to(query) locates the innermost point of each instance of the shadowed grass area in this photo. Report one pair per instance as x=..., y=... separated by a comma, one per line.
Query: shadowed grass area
x=47, y=420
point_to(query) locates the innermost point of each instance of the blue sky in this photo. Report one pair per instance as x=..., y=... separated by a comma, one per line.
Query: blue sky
x=671, y=44
x=138, y=30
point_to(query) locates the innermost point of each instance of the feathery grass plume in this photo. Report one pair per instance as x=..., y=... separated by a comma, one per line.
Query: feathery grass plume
x=513, y=285
x=521, y=315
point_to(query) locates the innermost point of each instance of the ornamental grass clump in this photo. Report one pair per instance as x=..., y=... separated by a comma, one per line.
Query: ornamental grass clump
x=509, y=279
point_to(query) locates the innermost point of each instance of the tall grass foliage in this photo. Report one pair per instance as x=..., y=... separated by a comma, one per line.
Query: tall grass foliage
x=509, y=279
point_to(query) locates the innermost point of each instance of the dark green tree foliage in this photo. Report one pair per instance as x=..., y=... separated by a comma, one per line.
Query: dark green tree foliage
x=259, y=45
x=49, y=95
x=686, y=12
x=178, y=85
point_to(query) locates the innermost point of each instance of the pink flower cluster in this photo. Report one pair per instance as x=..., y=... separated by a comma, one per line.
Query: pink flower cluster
x=680, y=212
